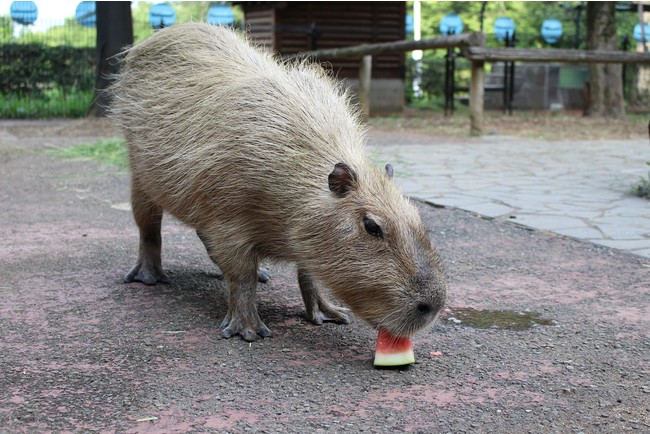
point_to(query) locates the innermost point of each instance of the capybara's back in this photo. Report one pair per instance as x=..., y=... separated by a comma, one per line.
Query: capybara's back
x=266, y=160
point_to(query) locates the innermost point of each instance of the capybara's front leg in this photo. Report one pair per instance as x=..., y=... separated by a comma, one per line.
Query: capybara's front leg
x=148, y=216
x=319, y=308
x=263, y=276
x=242, y=317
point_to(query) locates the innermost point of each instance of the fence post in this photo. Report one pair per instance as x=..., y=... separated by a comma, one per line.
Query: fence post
x=476, y=99
x=365, y=76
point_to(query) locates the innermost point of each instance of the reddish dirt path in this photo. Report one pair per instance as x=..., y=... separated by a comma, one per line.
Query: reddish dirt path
x=81, y=351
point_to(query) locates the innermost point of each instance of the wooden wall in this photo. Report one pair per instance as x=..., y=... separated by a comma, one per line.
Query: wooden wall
x=260, y=25
x=292, y=27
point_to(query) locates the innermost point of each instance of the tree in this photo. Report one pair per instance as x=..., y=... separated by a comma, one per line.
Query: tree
x=114, y=33
x=528, y=17
x=185, y=11
x=6, y=30
x=605, y=80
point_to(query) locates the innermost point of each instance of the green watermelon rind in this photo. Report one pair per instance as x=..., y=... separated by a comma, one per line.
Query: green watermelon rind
x=394, y=359
x=393, y=350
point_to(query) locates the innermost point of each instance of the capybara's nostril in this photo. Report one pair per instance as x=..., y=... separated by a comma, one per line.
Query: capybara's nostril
x=424, y=308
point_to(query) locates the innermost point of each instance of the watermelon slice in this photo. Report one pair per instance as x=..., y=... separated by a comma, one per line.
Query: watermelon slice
x=393, y=350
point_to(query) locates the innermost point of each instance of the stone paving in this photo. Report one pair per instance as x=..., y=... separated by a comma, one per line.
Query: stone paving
x=580, y=189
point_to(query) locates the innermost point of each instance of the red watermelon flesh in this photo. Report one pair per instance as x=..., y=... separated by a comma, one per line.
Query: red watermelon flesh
x=392, y=350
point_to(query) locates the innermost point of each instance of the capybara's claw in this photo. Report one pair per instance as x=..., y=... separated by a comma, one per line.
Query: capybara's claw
x=249, y=333
x=146, y=275
x=329, y=312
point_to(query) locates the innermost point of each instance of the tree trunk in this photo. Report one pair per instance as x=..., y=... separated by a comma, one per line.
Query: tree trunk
x=606, y=81
x=641, y=82
x=114, y=33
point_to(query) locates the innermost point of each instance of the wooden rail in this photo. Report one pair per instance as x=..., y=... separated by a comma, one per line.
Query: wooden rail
x=484, y=54
x=474, y=49
x=451, y=41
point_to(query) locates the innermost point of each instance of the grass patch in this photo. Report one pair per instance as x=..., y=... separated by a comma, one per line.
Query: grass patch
x=54, y=103
x=111, y=152
x=642, y=189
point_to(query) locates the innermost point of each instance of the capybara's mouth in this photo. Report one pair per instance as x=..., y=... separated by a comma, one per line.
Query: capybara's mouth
x=408, y=324
x=399, y=330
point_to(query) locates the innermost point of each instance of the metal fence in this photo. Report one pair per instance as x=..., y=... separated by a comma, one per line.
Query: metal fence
x=47, y=69
x=48, y=32
x=53, y=33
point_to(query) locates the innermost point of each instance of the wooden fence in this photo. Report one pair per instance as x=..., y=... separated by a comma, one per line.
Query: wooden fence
x=473, y=48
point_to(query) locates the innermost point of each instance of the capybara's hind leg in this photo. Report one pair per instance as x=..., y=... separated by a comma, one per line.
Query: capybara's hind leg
x=263, y=276
x=148, y=217
x=319, y=308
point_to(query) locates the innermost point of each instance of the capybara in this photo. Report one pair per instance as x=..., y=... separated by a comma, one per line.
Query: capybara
x=266, y=160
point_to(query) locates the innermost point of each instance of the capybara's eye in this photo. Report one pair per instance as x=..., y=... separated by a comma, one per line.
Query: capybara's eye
x=372, y=227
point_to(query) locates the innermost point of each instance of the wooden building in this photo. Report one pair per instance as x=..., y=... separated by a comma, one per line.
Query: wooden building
x=293, y=27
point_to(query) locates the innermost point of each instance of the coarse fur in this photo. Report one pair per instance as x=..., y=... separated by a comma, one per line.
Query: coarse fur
x=266, y=159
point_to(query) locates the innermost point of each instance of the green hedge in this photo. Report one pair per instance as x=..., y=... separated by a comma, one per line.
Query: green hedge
x=32, y=69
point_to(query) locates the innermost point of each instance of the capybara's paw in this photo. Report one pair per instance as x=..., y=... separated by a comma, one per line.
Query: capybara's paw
x=249, y=329
x=328, y=312
x=146, y=275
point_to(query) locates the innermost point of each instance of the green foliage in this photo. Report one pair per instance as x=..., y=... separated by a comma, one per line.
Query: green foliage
x=111, y=152
x=433, y=79
x=39, y=81
x=528, y=17
x=52, y=103
x=5, y=29
x=642, y=189
x=31, y=69
x=185, y=11
x=52, y=73
x=70, y=34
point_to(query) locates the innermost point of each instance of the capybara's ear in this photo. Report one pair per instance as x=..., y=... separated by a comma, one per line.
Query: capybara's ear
x=389, y=171
x=342, y=180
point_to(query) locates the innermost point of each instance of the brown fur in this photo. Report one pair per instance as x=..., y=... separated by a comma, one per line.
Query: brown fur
x=240, y=147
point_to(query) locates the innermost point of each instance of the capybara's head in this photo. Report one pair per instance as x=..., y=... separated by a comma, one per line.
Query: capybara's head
x=375, y=254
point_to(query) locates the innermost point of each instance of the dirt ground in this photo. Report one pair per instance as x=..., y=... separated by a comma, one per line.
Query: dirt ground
x=80, y=351
x=538, y=125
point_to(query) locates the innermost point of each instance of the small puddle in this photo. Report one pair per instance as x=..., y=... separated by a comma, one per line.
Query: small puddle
x=495, y=319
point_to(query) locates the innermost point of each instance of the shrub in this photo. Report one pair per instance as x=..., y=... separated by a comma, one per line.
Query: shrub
x=642, y=189
x=51, y=103
x=32, y=69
